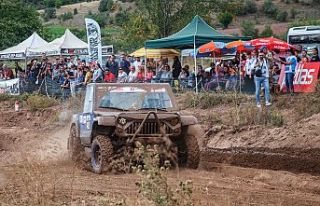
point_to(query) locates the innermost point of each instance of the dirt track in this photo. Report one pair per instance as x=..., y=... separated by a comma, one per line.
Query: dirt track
x=28, y=139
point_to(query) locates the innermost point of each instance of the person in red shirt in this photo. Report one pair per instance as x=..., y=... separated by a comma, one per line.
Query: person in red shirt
x=109, y=77
x=140, y=75
x=149, y=75
x=7, y=73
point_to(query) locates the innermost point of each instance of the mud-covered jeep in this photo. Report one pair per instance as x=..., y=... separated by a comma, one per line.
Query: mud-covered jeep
x=118, y=115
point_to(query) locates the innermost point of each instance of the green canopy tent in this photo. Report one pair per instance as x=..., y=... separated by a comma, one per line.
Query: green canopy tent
x=195, y=34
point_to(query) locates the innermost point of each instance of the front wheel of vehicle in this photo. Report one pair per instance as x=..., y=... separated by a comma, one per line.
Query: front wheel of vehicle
x=101, y=153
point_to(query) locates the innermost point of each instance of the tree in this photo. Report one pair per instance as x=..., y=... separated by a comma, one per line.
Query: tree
x=58, y=3
x=17, y=22
x=267, y=31
x=75, y=11
x=225, y=19
x=50, y=13
x=248, y=29
x=136, y=31
x=169, y=16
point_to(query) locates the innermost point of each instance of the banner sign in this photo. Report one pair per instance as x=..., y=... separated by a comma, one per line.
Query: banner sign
x=74, y=51
x=12, y=56
x=94, y=40
x=10, y=86
x=305, y=78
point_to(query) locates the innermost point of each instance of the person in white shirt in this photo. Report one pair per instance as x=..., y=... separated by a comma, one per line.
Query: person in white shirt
x=137, y=64
x=249, y=66
x=122, y=76
x=132, y=76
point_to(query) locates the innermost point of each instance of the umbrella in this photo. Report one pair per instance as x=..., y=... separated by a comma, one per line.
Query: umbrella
x=209, y=47
x=271, y=43
x=241, y=46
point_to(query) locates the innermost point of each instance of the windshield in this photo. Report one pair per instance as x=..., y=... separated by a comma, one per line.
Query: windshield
x=133, y=98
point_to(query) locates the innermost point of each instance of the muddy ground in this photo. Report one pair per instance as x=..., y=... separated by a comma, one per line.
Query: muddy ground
x=254, y=166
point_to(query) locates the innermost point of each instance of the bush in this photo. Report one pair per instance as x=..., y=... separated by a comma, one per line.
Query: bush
x=267, y=31
x=248, y=29
x=36, y=102
x=276, y=119
x=269, y=8
x=105, y=5
x=66, y=16
x=293, y=13
x=250, y=6
x=225, y=19
x=282, y=16
x=75, y=11
x=50, y=13
x=121, y=18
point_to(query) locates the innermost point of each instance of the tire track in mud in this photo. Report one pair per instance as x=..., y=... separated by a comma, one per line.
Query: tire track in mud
x=290, y=159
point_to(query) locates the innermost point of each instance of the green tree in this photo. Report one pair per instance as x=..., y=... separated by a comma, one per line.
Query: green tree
x=225, y=19
x=136, y=31
x=169, y=16
x=248, y=29
x=267, y=31
x=50, y=13
x=17, y=22
x=250, y=6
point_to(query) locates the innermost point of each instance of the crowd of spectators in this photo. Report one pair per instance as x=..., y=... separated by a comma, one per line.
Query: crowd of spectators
x=251, y=69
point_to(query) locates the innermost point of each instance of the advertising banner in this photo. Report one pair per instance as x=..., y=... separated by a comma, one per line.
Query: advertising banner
x=10, y=86
x=94, y=40
x=305, y=78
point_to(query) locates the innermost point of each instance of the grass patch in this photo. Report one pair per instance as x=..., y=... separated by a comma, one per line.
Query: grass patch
x=36, y=102
x=210, y=100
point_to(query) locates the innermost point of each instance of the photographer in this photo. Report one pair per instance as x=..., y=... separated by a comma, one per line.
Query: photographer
x=261, y=76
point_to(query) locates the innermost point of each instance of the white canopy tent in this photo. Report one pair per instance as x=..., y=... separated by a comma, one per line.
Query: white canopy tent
x=19, y=51
x=66, y=44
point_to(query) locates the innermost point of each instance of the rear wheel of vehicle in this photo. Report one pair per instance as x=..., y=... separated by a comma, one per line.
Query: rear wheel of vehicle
x=101, y=153
x=75, y=149
x=188, y=147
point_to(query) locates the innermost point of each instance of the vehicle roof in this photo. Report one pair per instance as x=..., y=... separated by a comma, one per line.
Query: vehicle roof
x=147, y=86
x=304, y=30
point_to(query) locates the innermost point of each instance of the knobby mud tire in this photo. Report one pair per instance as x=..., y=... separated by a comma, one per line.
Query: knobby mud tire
x=75, y=149
x=189, y=147
x=106, y=152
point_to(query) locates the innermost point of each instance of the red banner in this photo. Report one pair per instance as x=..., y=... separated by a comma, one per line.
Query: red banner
x=305, y=78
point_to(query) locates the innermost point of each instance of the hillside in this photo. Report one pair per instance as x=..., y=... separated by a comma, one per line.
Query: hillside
x=114, y=15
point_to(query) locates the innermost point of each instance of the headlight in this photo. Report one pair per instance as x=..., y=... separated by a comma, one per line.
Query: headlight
x=174, y=121
x=122, y=121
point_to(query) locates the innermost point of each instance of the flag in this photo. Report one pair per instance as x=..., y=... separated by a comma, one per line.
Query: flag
x=94, y=40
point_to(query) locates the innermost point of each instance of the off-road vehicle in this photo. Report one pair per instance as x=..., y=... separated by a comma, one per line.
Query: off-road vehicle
x=118, y=115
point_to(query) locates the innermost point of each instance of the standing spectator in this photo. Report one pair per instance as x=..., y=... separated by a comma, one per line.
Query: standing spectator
x=17, y=68
x=132, y=76
x=97, y=74
x=261, y=76
x=112, y=65
x=176, y=68
x=122, y=76
x=109, y=76
x=124, y=64
x=66, y=87
x=137, y=64
x=291, y=63
x=249, y=66
x=315, y=55
x=88, y=76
